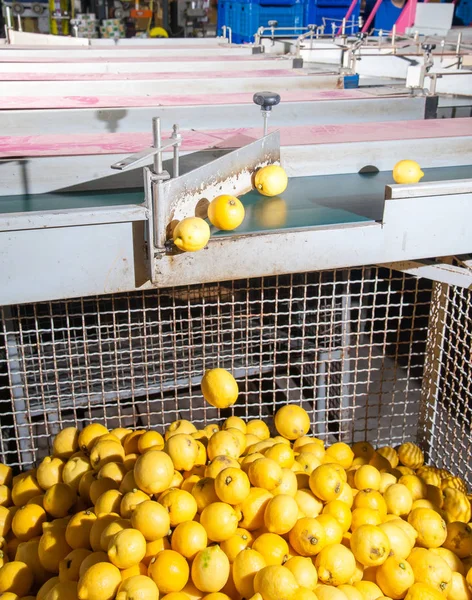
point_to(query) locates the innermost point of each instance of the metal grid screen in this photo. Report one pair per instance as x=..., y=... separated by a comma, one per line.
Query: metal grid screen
x=349, y=345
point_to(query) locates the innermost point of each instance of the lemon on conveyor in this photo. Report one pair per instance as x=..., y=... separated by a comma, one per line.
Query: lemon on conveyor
x=191, y=234
x=219, y=388
x=407, y=171
x=226, y=212
x=271, y=180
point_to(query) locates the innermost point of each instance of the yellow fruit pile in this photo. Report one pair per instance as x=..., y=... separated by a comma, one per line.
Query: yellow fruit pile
x=230, y=513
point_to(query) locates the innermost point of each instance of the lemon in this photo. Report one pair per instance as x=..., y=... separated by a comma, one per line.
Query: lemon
x=258, y=428
x=127, y=548
x=421, y=591
x=303, y=570
x=275, y=582
x=98, y=527
x=219, y=388
x=398, y=499
x=49, y=472
x=232, y=485
x=210, y=569
x=108, y=502
x=451, y=558
x=111, y=530
x=234, y=423
x=394, y=577
x=52, y=545
x=430, y=569
x=367, y=477
x=28, y=553
x=28, y=522
x=5, y=496
x=130, y=442
x=335, y=564
x=459, y=589
x=128, y=484
x=288, y=485
x=151, y=519
x=104, y=452
x=222, y=443
x=370, y=545
x=191, y=234
x=139, y=569
x=183, y=450
x=407, y=171
x=369, y=590
x=340, y=511
x=150, y=440
x=92, y=559
x=272, y=547
x=46, y=588
x=459, y=539
x=74, y=470
x=189, y=538
x=307, y=537
x=220, y=521
x=204, y=492
x=66, y=590
x=24, y=490
x=265, y=473
x=16, y=577
x=130, y=501
x=352, y=594
x=59, y=499
x=154, y=471
x=271, y=180
x=246, y=564
x=180, y=504
x=100, y=582
x=333, y=530
x=181, y=426
x=292, y=421
x=241, y=540
x=327, y=592
x=138, y=587
x=326, y=482
x=66, y=443
x=308, y=503
x=69, y=567
x=457, y=506
x=281, y=514
x=226, y=212
x=400, y=544
x=431, y=528
x=169, y=571
x=90, y=435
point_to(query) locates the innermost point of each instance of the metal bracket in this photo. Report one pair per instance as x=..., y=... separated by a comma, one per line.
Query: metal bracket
x=450, y=270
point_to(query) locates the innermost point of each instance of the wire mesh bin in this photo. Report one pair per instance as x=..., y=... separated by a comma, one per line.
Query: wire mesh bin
x=370, y=354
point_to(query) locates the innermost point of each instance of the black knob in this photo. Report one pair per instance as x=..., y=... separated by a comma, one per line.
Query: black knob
x=266, y=100
x=428, y=47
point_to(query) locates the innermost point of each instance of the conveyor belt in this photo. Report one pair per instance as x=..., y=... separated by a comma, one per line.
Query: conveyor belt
x=307, y=202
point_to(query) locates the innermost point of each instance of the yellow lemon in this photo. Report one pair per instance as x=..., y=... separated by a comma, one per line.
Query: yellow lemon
x=219, y=388
x=451, y=558
x=74, y=469
x=111, y=530
x=226, y=212
x=204, y=492
x=28, y=522
x=258, y=428
x=271, y=180
x=234, y=422
x=272, y=547
x=275, y=582
x=333, y=530
x=24, y=490
x=288, y=485
x=178, y=596
x=130, y=442
x=183, y=450
x=265, y=473
x=308, y=503
x=386, y=480
x=154, y=471
x=169, y=570
x=308, y=461
x=128, y=484
x=66, y=443
x=398, y=499
x=28, y=553
x=100, y=582
x=335, y=564
x=459, y=589
x=49, y=472
x=219, y=462
x=189, y=538
x=6, y=518
x=223, y=443
x=395, y=576
x=150, y=440
x=369, y=590
x=6, y=474
x=127, y=548
x=253, y=508
x=351, y=593
x=407, y=171
x=139, y=569
x=109, y=502
x=341, y=512
x=430, y=569
x=281, y=514
x=90, y=435
x=46, y=588
x=98, y=527
x=457, y=506
x=469, y=578
x=130, y=501
x=340, y=453
x=220, y=521
x=232, y=485
x=327, y=592
x=326, y=482
x=370, y=545
x=422, y=591
x=69, y=567
x=52, y=545
x=367, y=477
x=153, y=549
x=115, y=471
x=104, y=452
x=191, y=234
x=307, y=536
x=400, y=544
x=151, y=519
x=459, y=539
x=390, y=454
x=246, y=564
x=181, y=426
x=64, y=590
x=292, y=421
x=92, y=559
x=241, y=540
x=138, y=587
x=16, y=577
x=210, y=569
x=431, y=528
x=59, y=499
x=180, y=504
x=371, y=499
x=303, y=570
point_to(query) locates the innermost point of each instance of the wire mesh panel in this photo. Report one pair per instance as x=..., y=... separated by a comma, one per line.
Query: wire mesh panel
x=348, y=345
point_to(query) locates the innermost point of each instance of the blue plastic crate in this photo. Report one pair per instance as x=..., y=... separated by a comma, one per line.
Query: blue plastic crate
x=319, y=12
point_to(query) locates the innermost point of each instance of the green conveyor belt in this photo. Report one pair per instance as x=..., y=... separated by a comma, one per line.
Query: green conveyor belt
x=307, y=202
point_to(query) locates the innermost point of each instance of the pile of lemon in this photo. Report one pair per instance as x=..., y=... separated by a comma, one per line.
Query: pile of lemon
x=229, y=512
x=226, y=212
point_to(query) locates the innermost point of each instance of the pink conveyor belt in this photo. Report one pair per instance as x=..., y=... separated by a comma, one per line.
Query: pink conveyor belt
x=125, y=143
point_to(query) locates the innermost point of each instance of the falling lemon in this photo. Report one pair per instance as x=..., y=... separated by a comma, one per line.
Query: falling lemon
x=191, y=234
x=407, y=171
x=271, y=180
x=226, y=212
x=219, y=388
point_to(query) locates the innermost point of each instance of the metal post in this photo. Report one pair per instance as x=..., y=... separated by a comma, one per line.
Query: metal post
x=381, y=33
x=18, y=19
x=265, y=116
x=394, y=34
x=8, y=15
x=343, y=27
x=156, y=138
x=458, y=51
x=443, y=43
x=175, y=165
